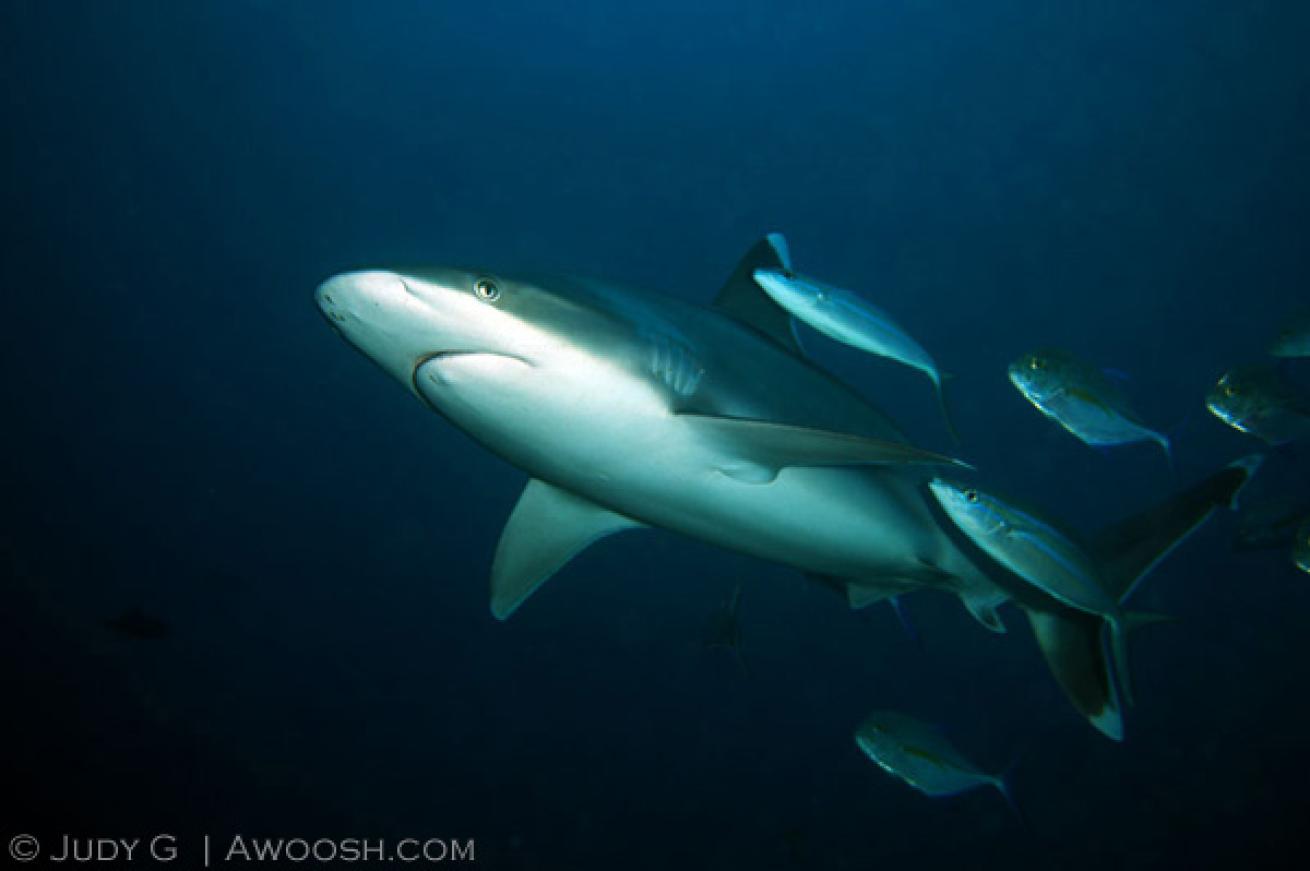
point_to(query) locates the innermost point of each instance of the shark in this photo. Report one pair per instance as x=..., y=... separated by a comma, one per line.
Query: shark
x=629, y=409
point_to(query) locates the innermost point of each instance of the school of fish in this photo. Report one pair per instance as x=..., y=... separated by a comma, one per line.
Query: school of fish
x=1091, y=404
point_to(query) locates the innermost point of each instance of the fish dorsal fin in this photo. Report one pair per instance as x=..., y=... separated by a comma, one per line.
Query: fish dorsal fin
x=744, y=301
x=755, y=450
x=547, y=528
x=1127, y=551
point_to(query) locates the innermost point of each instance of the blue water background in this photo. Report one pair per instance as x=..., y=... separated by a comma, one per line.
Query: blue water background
x=183, y=434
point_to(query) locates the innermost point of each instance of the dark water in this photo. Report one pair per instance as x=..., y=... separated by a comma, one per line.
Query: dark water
x=186, y=441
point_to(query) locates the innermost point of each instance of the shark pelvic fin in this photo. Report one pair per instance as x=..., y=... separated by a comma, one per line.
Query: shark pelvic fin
x=755, y=450
x=744, y=301
x=547, y=528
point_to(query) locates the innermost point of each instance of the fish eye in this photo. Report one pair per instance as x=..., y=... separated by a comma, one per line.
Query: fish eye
x=971, y=496
x=487, y=290
x=1037, y=364
x=1230, y=390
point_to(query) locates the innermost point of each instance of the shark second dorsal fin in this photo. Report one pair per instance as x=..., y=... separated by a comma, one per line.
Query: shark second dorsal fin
x=547, y=528
x=745, y=301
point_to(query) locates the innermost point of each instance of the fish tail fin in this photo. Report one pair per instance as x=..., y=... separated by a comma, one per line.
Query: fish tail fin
x=1070, y=642
x=1004, y=784
x=1127, y=551
x=1167, y=446
x=939, y=380
x=1120, y=627
x=903, y=617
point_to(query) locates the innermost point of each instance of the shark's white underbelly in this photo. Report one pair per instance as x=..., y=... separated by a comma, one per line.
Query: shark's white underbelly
x=618, y=444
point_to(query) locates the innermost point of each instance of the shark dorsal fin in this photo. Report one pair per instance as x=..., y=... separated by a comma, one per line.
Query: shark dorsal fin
x=547, y=528
x=744, y=301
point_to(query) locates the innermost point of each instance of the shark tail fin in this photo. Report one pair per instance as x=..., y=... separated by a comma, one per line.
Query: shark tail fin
x=1071, y=643
x=1127, y=551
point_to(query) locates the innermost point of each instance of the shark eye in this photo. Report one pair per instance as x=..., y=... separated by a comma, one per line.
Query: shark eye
x=486, y=289
x=971, y=496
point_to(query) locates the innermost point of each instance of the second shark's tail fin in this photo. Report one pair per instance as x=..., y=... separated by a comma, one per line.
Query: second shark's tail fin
x=1073, y=641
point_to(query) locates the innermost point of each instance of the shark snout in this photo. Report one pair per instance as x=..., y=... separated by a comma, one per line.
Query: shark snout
x=351, y=294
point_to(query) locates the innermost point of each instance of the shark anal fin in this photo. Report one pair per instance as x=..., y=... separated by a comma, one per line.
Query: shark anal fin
x=744, y=301
x=547, y=528
x=755, y=450
x=1127, y=551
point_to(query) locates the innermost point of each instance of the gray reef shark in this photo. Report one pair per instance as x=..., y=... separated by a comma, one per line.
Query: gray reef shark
x=631, y=409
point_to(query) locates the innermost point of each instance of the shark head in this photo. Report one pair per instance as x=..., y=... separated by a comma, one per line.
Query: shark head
x=404, y=321
x=510, y=361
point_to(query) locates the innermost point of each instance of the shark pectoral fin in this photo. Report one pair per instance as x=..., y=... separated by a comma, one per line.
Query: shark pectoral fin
x=756, y=450
x=746, y=302
x=1071, y=642
x=547, y=528
x=983, y=605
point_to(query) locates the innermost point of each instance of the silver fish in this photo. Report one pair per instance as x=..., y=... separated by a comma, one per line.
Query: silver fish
x=1080, y=398
x=920, y=755
x=1039, y=553
x=852, y=320
x=1256, y=401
